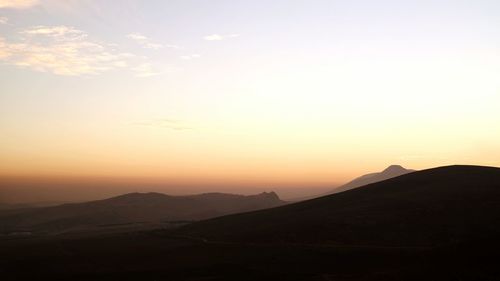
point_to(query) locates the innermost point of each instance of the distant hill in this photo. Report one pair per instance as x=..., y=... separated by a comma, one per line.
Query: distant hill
x=377, y=232
x=425, y=208
x=390, y=172
x=133, y=208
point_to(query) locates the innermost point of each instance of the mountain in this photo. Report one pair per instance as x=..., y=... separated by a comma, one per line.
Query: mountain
x=390, y=172
x=438, y=224
x=425, y=208
x=133, y=208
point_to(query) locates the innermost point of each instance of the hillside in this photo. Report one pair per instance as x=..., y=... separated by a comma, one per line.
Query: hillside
x=133, y=208
x=378, y=232
x=388, y=173
x=431, y=207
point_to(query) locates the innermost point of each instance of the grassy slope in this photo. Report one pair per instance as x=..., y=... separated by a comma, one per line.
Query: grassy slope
x=430, y=207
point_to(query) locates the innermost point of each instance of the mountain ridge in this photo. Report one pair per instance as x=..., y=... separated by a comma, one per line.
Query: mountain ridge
x=132, y=208
x=389, y=172
x=430, y=207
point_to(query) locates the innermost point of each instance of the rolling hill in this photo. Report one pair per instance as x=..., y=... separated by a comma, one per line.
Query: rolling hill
x=432, y=207
x=437, y=224
x=388, y=173
x=132, y=208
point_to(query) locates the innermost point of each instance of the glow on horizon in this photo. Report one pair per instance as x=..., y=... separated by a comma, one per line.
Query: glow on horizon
x=321, y=93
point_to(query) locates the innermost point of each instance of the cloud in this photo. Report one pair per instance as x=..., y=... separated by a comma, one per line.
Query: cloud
x=147, y=43
x=149, y=69
x=4, y=20
x=166, y=123
x=146, y=70
x=172, y=46
x=4, y=50
x=190, y=57
x=18, y=4
x=64, y=50
x=137, y=37
x=63, y=33
x=218, y=37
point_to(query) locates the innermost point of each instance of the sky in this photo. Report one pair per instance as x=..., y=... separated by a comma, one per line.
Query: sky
x=246, y=93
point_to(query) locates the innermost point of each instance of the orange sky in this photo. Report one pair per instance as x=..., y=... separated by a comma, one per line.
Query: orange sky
x=251, y=98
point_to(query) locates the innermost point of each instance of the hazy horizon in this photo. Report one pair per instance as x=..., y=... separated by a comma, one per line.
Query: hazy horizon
x=34, y=190
x=242, y=96
x=37, y=190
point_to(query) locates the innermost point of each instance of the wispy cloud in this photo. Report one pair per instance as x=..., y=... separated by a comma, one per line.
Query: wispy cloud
x=190, y=57
x=148, y=43
x=64, y=50
x=144, y=41
x=166, y=123
x=218, y=37
x=62, y=33
x=146, y=70
x=18, y=4
x=4, y=49
x=4, y=20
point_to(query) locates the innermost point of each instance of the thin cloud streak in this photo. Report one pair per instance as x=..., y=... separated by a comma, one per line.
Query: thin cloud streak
x=145, y=42
x=145, y=70
x=62, y=33
x=190, y=57
x=18, y=4
x=218, y=37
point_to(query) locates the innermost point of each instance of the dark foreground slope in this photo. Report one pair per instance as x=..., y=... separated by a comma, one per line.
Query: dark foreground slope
x=388, y=173
x=432, y=207
x=132, y=208
x=388, y=227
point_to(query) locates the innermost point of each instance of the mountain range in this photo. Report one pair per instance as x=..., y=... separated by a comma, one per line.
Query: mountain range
x=424, y=208
x=435, y=224
x=139, y=209
x=133, y=208
x=388, y=173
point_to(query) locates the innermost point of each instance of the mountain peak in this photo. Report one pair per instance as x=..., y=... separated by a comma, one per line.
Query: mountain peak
x=389, y=172
x=394, y=169
x=271, y=194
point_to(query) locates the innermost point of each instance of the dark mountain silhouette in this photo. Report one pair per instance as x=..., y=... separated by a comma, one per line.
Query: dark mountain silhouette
x=390, y=172
x=133, y=208
x=437, y=224
x=431, y=207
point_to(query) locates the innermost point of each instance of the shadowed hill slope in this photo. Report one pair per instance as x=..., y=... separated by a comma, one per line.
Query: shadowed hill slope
x=134, y=208
x=431, y=207
x=390, y=172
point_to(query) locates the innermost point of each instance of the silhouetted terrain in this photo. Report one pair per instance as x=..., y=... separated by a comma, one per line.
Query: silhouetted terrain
x=437, y=224
x=138, y=208
x=426, y=208
x=390, y=172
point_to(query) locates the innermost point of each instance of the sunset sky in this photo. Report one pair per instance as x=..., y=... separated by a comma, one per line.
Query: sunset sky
x=253, y=93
